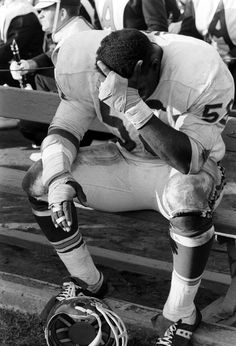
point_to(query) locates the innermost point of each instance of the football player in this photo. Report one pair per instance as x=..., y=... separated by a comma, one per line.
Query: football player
x=168, y=111
x=215, y=22
x=140, y=14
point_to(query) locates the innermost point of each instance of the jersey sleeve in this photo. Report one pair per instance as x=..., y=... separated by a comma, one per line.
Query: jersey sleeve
x=203, y=123
x=77, y=108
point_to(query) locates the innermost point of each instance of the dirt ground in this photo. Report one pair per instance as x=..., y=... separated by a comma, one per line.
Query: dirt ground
x=120, y=234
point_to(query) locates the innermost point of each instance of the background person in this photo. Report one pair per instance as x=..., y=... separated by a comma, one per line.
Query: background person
x=19, y=21
x=215, y=22
x=59, y=18
x=153, y=15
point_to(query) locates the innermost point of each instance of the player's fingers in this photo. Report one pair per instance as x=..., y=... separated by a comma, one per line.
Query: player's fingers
x=57, y=214
x=79, y=193
x=68, y=214
x=53, y=217
x=103, y=68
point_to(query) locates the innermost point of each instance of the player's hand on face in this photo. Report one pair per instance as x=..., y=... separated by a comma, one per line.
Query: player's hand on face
x=60, y=199
x=103, y=68
x=132, y=81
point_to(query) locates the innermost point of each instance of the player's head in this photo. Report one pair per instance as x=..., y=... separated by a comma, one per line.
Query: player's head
x=130, y=53
x=84, y=321
x=55, y=13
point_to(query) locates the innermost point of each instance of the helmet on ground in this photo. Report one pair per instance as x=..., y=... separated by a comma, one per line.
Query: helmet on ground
x=84, y=321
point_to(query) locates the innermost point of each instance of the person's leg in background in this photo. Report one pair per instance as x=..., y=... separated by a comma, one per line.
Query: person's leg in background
x=232, y=68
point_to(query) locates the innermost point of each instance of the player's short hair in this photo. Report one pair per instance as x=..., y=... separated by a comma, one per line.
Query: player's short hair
x=121, y=50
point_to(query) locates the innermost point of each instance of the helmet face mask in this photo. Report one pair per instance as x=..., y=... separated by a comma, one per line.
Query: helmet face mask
x=84, y=321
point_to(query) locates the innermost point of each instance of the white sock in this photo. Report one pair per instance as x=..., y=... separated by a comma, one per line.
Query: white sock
x=180, y=302
x=80, y=264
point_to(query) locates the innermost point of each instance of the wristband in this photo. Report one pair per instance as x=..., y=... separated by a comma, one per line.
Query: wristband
x=139, y=114
x=114, y=91
x=57, y=156
x=59, y=190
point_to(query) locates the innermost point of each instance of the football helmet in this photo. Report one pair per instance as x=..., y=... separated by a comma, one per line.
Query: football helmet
x=84, y=321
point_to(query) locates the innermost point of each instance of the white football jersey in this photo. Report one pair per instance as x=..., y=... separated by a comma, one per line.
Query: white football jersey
x=193, y=94
x=111, y=13
x=217, y=18
x=142, y=15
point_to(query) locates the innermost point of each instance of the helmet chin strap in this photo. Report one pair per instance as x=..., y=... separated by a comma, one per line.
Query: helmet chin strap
x=56, y=16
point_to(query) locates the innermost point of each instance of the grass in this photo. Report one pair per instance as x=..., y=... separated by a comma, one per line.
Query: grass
x=18, y=329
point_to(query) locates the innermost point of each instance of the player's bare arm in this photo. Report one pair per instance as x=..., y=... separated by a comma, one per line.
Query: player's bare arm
x=170, y=145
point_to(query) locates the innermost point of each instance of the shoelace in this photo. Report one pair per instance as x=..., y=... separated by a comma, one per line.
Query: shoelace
x=168, y=336
x=69, y=290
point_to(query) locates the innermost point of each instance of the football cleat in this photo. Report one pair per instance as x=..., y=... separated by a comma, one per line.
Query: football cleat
x=84, y=321
x=180, y=334
x=72, y=288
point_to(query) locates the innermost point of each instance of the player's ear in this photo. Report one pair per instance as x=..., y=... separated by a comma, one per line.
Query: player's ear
x=155, y=64
x=63, y=14
x=138, y=67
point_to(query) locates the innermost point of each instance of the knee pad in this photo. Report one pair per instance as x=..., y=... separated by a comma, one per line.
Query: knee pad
x=188, y=194
x=32, y=181
x=190, y=225
x=191, y=238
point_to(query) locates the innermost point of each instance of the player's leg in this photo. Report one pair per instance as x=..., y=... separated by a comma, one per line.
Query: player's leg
x=189, y=200
x=111, y=183
x=116, y=181
x=70, y=246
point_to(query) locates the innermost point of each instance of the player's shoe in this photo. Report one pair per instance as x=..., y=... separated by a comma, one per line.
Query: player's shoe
x=180, y=334
x=72, y=288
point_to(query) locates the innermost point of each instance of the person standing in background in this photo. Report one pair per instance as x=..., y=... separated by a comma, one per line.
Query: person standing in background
x=213, y=21
x=152, y=15
x=59, y=18
x=19, y=21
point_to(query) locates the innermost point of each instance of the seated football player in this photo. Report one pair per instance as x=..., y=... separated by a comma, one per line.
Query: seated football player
x=168, y=121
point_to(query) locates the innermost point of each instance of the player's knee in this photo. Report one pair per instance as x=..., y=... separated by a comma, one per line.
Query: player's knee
x=32, y=182
x=188, y=194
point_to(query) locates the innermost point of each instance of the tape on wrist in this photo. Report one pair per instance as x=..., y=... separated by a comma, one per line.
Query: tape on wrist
x=139, y=114
x=56, y=158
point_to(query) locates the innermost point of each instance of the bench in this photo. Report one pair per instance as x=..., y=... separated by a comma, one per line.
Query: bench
x=41, y=106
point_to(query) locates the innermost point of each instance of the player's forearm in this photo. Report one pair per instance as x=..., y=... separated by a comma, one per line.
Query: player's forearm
x=170, y=145
x=58, y=153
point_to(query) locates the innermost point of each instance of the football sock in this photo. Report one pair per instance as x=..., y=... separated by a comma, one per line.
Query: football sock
x=70, y=247
x=79, y=264
x=190, y=256
x=180, y=300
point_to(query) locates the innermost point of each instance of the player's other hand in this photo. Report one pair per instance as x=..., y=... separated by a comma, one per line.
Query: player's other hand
x=19, y=69
x=61, y=193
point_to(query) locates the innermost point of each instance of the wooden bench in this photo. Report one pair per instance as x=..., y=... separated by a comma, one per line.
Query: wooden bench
x=40, y=106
